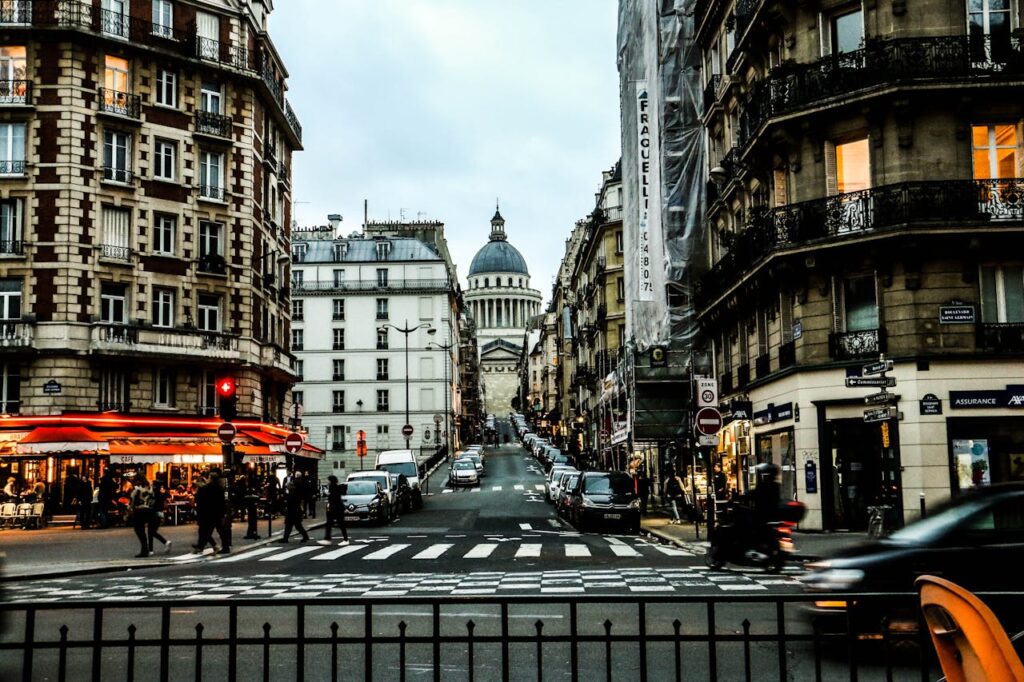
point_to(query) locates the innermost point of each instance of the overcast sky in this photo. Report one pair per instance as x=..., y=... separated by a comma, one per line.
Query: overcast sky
x=438, y=107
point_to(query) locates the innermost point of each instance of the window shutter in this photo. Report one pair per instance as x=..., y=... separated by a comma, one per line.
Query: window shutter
x=781, y=193
x=786, y=316
x=831, y=170
x=837, y=306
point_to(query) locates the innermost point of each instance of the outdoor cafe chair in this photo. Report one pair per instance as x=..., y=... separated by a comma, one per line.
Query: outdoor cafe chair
x=24, y=514
x=8, y=514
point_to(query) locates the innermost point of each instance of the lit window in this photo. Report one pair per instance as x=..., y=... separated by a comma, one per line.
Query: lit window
x=853, y=168
x=995, y=152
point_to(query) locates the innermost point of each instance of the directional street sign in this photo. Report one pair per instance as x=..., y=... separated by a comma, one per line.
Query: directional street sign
x=874, y=382
x=879, y=398
x=293, y=442
x=880, y=414
x=879, y=367
x=407, y=430
x=226, y=432
x=707, y=392
x=708, y=421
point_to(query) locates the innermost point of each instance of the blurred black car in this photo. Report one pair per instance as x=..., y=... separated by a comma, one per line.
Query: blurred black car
x=603, y=499
x=976, y=541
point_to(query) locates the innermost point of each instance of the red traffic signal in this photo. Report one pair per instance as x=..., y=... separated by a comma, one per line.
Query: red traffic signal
x=226, y=387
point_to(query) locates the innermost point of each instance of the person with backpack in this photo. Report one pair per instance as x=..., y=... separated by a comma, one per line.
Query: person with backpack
x=141, y=507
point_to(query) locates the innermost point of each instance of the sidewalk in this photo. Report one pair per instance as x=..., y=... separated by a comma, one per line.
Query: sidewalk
x=810, y=546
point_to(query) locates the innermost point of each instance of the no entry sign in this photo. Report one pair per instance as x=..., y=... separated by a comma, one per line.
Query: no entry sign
x=293, y=442
x=407, y=430
x=227, y=432
x=708, y=421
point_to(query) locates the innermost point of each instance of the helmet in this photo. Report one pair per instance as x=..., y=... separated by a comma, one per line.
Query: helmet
x=766, y=470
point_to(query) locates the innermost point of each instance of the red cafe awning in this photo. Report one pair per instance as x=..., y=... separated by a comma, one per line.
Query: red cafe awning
x=57, y=439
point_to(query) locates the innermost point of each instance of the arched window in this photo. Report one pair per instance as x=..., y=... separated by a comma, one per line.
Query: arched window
x=520, y=282
x=487, y=281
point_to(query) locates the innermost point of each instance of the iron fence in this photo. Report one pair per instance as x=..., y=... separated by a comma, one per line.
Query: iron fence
x=735, y=637
x=210, y=123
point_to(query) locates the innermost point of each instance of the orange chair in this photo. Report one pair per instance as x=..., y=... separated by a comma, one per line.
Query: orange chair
x=968, y=638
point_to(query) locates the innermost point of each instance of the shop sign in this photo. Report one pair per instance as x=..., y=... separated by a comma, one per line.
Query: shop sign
x=930, y=404
x=647, y=168
x=956, y=314
x=620, y=436
x=874, y=382
x=741, y=409
x=1011, y=396
x=774, y=413
x=798, y=329
x=264, y=459
x=52, y=387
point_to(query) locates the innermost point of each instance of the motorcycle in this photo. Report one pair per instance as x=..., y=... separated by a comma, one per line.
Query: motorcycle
x=764, y=545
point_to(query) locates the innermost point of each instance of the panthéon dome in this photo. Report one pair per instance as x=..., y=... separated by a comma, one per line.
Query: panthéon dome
x=497, y=255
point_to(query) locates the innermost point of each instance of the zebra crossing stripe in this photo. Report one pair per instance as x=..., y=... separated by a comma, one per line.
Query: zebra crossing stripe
x=334, y=554
x=481, y=551
x=434, y=551
x=519, y=486
x=538, y=486
x=672, y=551
x=577, y=550
x=525, y=526
x=496, y=488
x=620, y=548
x=384, y=553
x=474, y=490
x=554, y=523
x=289, y=554
x=248, y=555
x=528, y=549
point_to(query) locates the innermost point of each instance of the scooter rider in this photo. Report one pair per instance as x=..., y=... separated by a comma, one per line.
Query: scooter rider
x=750, y=521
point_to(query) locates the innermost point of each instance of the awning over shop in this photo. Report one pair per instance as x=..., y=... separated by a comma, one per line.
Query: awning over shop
x=46, y=440
x=138, y=452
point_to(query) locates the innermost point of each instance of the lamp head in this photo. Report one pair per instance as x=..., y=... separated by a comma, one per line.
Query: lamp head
x=431, y=331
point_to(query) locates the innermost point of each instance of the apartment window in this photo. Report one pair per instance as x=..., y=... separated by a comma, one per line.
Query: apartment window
x=116, y=81
x=726, y=354
x=383, y=249
x=487, y=282
x=744, y=339
x=383, y=401
x=10, y=389
x=338, y=309
x=113, y=390
x=12, y=148
x=211, y=175
x=1002, y=294
x=300, y=369
x=298, y=309
x=340, y=251
x=10, y=299
x=209, y=239
x=164, y=227
x=165, y=155
x=163, y=307
x=338, y=401
x=114, y=18
x=208, y=35
x=113, y=303
x=382, y=369
x=989, y=25
x=761, y=320
x=382, y=308
x=620, y=288
x=382, y=277
x=209, y=312
x=10, y=225
x=382, y=339
x=338, y=277
x=382, y=435
x=163, y=18
x=210, y=98
x=339, y=339
x=299, y=252
x=13, y=70
x=338, y=370
x=995, y=152
x=298, y=397
x=208, y=394
x=167, y=88
x=116, y=233
x=15, y=12
x=846, y=31
x=117, y=147
x=163, y=387
x=298, y=278
x=618, y=242
x=298, y=336
x=337, y=438
x=858, y=304
x=848, y=166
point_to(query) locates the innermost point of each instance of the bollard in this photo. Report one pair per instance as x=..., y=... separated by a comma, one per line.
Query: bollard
x=923, y=508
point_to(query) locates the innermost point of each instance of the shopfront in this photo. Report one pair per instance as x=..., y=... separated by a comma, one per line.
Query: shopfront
x=860, y=468
x=985, y=451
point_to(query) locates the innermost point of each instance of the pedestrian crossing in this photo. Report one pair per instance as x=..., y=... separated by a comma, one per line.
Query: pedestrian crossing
x=518, y=487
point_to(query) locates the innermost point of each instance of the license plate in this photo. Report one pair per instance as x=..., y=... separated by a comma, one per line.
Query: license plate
x=351, y=517
x=613, y=516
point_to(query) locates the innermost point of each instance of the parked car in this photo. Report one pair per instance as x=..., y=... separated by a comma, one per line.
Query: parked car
x=403, y=462
x=976, y=541
x=569, y=480
x=603, y=499
x=477, y=460
x=558, y=459
x=463, y=473
x=551, y=481
x=381, y=477
x=365, y=500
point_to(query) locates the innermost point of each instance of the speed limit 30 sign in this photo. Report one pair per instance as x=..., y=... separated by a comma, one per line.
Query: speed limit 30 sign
x=707, y=392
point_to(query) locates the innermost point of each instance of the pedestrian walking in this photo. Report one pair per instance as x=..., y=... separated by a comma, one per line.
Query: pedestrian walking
x=160, y=494
x=308, y=489
x=251, y=498
x=141, y=508
x=721, y=484
x=209, y=510
x=223, y=526
x=293, y=512
x=643, y=482
x=676, y=496
x=107, y=488
x=335, y=511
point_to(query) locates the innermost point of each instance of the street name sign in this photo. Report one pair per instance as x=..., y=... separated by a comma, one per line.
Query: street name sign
x=227, y=432
x=708, y=421
x=879, y=398
x=293, y=442
x=708, y=440
x=880, y=414
x=873, y=382
x=879, y=367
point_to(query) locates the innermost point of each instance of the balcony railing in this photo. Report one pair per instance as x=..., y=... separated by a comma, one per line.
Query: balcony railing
x=858, y=345
x=115, y=252
x=15, y=91
x=11, y=247
x=266, y=70
x=881, y=62
x=214, y=192
x=16, y=12
x=1007, y=337
x=123, y=176
x=16, y=334
x=120, y=103
x=889, y=207
x=108, y=336
x=225, y=53
x=711, y=92
x=329, y=286
x=762, y=365
x=209, y=123
x=213, y=264
x=12, y=167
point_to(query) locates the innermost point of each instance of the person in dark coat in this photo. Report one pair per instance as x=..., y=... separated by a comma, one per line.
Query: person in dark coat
x=335, y=511
x=209, y=511
x=307, y=487
x=108, y=488
x=293, y=512
x=223, y=526
x=251, y=498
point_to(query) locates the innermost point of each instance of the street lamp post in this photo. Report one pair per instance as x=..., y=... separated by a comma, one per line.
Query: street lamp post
x=406, y=331
x=447, y=348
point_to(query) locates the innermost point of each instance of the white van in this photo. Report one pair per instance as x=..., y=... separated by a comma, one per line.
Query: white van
x=403, y=462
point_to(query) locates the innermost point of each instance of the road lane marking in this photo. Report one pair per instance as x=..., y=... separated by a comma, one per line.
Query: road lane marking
x=249, y=554
x=289, y=554
x=620, y=548
x=538, y=486
x=577, y=550
x=525, y=526
x=334, y=554
x=474, y=490
x=434, y=551
x=555, y=523
x=672, y=551
x=446, y=490
x=528, y=550
x=519, y=486
x=481, y=551
x=384, y=553
x=496, y=488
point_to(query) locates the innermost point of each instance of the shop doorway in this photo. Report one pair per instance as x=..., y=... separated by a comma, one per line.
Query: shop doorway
x=778, y=448
x=860, y=468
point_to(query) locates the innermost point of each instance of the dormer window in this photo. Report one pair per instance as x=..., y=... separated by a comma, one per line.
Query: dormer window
x=340, y=251
x=299, y=252
x=383, y=249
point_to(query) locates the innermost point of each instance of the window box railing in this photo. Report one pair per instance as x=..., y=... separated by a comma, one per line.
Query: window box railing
x=120, y=103
x=163, y=339
x=116, y=24
x=270, y=157
x=856, y=345
x=15, y=168
x=762, y=365
x=16, y=12
x=115, y=252
x=1006, y=337
x=214, y=192
x=224, y=53
x=15, y=92
x=382, y=377
x=787, y=354
x=12, y=247
x=338, y=409
x=16, y=334
x=210, y=123
x=213, y=264
x=122, y=176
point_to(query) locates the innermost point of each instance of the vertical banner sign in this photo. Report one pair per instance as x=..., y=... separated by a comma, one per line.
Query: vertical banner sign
x=645, y=190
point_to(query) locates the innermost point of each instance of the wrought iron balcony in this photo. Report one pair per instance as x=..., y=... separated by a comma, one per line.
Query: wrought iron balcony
x=214, y=192
x=742, y=376
x=787, y=354
x=16, y=12
x=224, y=53
x=11, y=247
x=1007, y=337
x=15, y=92
x=209, y=123
x=908, y=205
x=120, y=103
x=711, y=92
x=107, y=336
x=792, y=87
x=12, y=167
x=122, y=176
x=16, y=334
x=115, y=252
x=213, y=264
x=858, y=345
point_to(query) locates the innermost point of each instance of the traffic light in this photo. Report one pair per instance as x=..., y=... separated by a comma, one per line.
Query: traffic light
x=228, y=400
x=361, y=443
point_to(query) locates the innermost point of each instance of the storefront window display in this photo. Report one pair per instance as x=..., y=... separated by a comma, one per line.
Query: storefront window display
x=986, y=451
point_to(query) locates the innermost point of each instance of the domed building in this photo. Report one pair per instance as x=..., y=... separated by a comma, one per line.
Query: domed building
x=501, y=302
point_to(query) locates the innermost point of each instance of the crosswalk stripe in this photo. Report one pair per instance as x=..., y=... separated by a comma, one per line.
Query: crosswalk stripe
x=528, y=550
x=481, y=551
x=446, y=490
x=474, y=490
x=384, y=553
x=624, y=550
x=337, y=553
x=496, y=488
x=525, y=526
x=672, y=551
x=434, y=551
x=289, y=554
x=538, y=486
x=519, y=486
x=577, y=550
x=249, y=555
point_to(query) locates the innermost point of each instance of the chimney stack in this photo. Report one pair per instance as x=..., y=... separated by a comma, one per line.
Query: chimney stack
x=335, y=220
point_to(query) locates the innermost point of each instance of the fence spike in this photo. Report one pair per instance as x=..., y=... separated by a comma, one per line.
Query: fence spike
x=334, y=628
x=470, y=625
x=607, y=626
x=539, y=625
x=402, y=625
x=64, y=630
x=199, y=629
x=266, y=628
x=676, y=624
